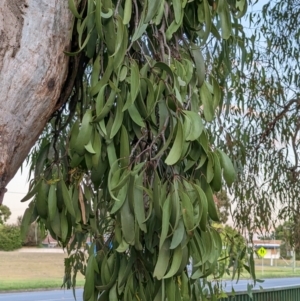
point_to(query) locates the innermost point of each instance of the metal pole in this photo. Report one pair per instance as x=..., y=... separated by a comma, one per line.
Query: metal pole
x=271, y=261
x=35, y=233
x=294, y=260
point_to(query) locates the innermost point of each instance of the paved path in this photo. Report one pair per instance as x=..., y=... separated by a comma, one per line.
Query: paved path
x=41, y=250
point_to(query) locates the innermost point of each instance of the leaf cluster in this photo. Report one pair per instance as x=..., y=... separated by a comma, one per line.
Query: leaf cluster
x=133, y=168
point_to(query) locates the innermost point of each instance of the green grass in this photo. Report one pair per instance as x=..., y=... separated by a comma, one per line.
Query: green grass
x=275, y=272
x=27, y=271
x=277, y=263
x=280, y=269
x=272, y=273
x=32, y=284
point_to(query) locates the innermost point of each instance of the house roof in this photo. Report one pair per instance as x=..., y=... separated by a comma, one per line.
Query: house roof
x=267, y=243
x=49, y=239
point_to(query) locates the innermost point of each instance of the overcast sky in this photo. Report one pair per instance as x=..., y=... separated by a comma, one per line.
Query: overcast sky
x=16, y=190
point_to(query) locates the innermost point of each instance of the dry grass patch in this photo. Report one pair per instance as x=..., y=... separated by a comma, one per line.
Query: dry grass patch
x=32, y=270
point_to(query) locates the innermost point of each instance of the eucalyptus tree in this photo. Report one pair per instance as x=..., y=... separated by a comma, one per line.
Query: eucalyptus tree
x=259, y=124
x=34, y=77
x=125, y=158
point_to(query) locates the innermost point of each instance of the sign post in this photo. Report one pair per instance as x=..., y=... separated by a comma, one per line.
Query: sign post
x=262, y=253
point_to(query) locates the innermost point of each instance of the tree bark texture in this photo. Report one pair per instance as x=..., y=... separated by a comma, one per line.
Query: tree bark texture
x=33, y=70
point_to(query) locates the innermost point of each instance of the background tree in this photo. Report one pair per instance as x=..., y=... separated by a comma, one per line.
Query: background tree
x=5, y=213
x=233, y=258
x=268, y=236
x=284, y=233
x=288, y=233
x=223, y=204
x=258, y=125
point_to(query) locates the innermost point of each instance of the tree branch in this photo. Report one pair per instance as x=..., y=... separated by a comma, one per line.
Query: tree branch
x=271, y=125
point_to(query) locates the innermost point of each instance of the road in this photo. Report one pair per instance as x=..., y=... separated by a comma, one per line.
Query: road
x=59, y=295
x=56, y=295
x=274, y=283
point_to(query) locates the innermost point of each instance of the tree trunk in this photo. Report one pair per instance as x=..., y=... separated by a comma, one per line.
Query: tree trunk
x=33, y=71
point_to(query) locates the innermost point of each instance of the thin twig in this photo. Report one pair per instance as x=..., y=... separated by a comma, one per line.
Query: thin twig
x=137, y=144
x=136, y=21
x=81, y=202
x=166, y=45
x=117, y=8
x=162, y=134
x=294, y=138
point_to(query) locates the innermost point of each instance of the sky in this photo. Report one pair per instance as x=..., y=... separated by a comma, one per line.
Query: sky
x=16, y=190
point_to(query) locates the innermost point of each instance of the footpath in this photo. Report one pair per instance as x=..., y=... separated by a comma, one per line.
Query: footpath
x=41, y=250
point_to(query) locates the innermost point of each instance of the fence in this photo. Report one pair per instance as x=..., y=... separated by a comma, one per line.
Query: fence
x=291, y=293
x=286, y=263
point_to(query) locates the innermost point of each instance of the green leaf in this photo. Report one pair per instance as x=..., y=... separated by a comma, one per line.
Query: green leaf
x=32, y=192
x=199, y=63
x=187, y=211
x=26, y=220
x=127, y=223
x=41, y=199
x=152, y=8
x=135, y=116
x=223, y=11
x=52, y=202
x=73, y=9
x=196, y=126
x=127, y=11
x=178, y=235
x=139, y=207
x=89, y=148
x=228, y=168
x=166, y=214
x=176, y=150
x=207, y=101
x=165, y=67
x=85, y=133
x=176, y=262
x=162, y=261
x=67, y=198
x=217, y=179
x=177, y=10
x=212, y=210
x=124, y=147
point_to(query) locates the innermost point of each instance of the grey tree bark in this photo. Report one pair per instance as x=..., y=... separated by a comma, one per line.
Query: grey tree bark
x=33, y=73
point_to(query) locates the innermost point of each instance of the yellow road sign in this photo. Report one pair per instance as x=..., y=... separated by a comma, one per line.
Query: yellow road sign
x=262, y=252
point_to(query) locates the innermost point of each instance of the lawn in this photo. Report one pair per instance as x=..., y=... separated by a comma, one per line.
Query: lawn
x=25, y=271
x=281, y=269
x=275, y=272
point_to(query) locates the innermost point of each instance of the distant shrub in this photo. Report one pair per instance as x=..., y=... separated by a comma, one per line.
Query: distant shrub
x=10, y=238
